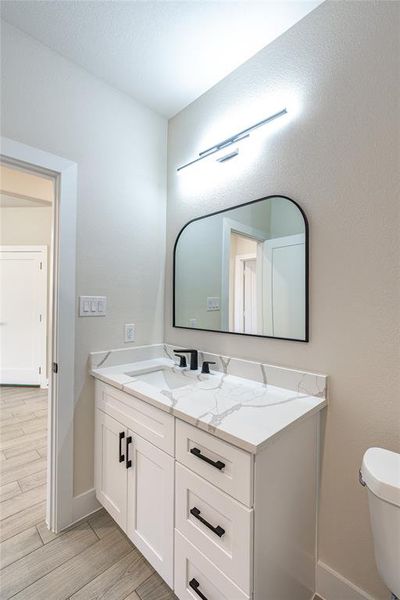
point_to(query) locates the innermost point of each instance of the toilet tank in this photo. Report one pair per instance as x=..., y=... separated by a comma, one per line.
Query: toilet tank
x=380, y=472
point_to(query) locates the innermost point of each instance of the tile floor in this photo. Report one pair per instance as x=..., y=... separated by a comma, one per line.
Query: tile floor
x=91, y=561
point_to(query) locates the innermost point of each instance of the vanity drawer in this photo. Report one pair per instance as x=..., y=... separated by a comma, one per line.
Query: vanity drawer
x=226, y=535
x=224, y=465
x=153, y=424
x=196, y=578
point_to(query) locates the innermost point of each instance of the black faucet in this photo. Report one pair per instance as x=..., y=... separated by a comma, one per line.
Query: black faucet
x=205, y=367
x=182, y=360
x=194, y=360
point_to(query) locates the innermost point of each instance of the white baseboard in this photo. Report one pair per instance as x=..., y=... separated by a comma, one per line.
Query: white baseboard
x=333, y=586
x=84, y=505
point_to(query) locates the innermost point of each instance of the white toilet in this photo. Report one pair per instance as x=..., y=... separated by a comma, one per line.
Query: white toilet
x=380, y=472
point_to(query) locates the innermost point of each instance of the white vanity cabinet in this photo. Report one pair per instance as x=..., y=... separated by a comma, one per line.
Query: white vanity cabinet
x=134, y=479
x=111, y=476
x=150, y=505
x=215, y=521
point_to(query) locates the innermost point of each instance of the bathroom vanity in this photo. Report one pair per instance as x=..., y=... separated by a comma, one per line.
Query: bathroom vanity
x=213, y=477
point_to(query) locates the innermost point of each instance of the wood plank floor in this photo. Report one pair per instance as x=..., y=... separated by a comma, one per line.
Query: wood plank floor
x=91, y=561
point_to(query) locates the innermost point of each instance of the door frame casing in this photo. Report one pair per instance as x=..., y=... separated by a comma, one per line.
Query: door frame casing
x=239, y=278
x=59, y=509
x=230, y=226
x=44, y=291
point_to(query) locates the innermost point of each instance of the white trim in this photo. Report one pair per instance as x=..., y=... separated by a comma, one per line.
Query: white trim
x=333, y=586
x=43, y=337
x=229, y=225
x=84, y=505
x=238, y=312
x=59, y=512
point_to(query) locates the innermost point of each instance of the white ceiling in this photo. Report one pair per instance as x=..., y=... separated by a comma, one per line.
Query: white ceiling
x=165, y=53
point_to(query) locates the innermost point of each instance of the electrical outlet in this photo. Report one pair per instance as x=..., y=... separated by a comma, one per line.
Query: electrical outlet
x=129, y=335
x=213, y=303
x=193, y=322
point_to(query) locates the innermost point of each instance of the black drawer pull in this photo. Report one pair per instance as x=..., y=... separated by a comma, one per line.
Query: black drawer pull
x=128, y=462
x=217, y=464
x=218, y=530
x=194, y=584
x=121, y=457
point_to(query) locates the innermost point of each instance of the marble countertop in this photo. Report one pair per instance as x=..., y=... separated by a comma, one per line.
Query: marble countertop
x=240, y=411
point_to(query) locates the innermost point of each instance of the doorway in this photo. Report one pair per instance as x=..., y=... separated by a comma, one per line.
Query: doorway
x=264, y=275
x=243, y=296
x=47, y=297
x=26, y=233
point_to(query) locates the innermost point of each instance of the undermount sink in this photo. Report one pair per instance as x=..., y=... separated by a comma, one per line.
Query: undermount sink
x=162, y=379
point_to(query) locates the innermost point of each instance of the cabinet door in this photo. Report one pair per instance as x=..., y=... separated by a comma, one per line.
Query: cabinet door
x=150, y=510
x=110, y=466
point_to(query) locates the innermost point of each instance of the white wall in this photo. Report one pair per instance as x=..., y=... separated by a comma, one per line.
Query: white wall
x=120, y=149
x=338, y=156
x=24, y=226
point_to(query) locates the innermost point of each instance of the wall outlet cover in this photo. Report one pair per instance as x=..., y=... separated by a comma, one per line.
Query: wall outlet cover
x=129, y=332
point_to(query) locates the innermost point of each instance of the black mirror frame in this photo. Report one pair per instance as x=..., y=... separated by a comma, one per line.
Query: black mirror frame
x=218, y=212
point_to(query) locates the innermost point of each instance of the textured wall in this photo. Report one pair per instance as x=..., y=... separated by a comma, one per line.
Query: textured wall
x=120, y=149
x=339, y=158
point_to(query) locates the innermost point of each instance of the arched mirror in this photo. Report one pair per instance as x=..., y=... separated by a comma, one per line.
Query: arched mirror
x=244, y=270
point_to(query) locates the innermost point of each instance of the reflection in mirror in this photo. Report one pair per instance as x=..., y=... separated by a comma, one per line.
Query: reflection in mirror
x=244, y=270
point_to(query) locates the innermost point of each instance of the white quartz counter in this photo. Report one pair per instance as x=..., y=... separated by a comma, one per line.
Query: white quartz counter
x=243, y=412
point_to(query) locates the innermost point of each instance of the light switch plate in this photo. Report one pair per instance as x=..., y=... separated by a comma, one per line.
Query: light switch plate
x=92, y=306
x=213, y=303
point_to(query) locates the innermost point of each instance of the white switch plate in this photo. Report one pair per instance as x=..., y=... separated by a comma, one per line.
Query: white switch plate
x=213, y=303
x=193, y=322
x=92, y=306
x=129, y=332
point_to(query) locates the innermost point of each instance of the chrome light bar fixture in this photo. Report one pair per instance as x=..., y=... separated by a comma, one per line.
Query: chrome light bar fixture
x=233, y=139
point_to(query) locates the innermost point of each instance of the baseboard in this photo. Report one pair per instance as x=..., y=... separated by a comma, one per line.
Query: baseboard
x=84, y=505
x=333, y=586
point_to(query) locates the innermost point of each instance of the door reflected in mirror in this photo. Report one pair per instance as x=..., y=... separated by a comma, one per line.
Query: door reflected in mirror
x=244, y=270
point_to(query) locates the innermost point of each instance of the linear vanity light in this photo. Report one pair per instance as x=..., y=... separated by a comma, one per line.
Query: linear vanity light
x=233, y=139
x=228, y=156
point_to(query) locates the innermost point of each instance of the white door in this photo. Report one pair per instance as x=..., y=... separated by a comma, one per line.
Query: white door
x=23, y=285
x=111, y=466
x=151, y=504
x=284, y=287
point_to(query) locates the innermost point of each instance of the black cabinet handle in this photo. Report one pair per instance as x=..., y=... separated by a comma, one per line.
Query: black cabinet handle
x=121, y=457
x=128, y=462
x=194, y=584
x=218, y=530
x=217, y=464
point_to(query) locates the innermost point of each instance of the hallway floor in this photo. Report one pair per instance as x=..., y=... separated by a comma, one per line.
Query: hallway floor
x=91, y=560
